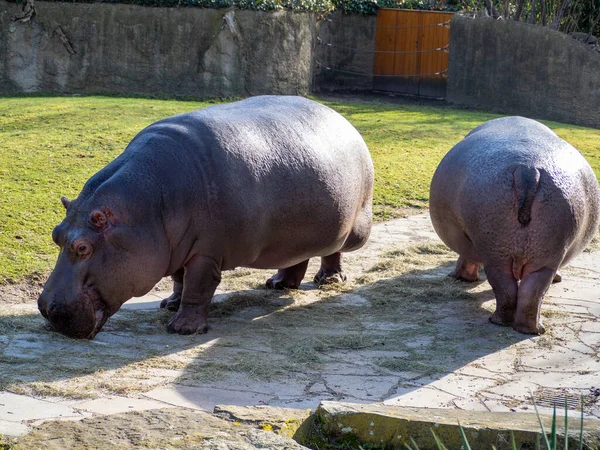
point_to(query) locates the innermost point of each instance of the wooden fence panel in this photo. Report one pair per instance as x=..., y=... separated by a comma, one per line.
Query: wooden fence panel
x=385, y=44
x=411, y=52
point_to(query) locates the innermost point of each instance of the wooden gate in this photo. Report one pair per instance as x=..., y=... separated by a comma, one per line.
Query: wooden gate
x=411, y=52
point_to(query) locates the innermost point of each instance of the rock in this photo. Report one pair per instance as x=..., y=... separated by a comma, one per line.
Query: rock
x=372, y=424
x=163, y=428
x=283, y=421
x=583, y=37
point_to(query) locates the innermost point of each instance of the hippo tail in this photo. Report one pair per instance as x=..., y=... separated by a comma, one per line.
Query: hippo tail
x=525, y=184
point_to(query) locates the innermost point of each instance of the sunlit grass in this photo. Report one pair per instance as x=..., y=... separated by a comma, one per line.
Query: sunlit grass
x=49, y=146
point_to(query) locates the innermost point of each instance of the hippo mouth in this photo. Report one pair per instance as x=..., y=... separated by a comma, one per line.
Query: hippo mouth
x=101, y=314
x=83, y=319
x=101, y=318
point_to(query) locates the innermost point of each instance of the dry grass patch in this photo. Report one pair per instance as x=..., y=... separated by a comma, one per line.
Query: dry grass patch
x=260, y=334
x=593, y=246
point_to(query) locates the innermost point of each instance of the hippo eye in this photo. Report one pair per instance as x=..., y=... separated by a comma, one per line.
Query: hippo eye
x=83, y=249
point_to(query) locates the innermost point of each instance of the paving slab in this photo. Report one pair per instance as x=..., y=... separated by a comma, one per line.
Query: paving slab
x=19, y=408
x=115, y=405
x=205, y=399
x=13, y=429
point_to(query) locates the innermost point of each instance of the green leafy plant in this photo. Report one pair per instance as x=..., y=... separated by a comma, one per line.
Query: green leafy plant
x=322, y=7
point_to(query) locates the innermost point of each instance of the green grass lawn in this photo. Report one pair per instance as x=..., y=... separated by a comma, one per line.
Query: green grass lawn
x=49, y=146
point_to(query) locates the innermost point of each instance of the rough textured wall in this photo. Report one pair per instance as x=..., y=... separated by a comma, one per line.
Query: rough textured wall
x=100, y=48
x=352, y=44
x=524, y=69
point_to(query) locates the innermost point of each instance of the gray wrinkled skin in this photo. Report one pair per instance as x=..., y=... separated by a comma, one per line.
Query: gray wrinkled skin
x=266, y=182
x=515, y=198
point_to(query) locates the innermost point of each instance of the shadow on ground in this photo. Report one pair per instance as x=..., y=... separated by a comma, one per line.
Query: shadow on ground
x=401, y=325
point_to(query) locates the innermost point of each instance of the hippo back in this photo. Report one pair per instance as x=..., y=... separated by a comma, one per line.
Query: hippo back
x=256, y=171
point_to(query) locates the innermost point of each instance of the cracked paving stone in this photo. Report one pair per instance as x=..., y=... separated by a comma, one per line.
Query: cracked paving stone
x=360, y=387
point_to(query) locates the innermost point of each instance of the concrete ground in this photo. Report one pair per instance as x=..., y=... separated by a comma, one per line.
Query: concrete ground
x=400, y=333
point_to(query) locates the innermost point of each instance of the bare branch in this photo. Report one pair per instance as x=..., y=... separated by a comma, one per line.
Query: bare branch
x=532, y=12
x=493, y=12
x=587, y=38
x=543, y=8
x=556, y=22
x=519, y=10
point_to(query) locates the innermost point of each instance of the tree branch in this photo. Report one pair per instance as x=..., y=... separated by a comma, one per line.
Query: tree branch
x=587, y=38
x=519, y=10
x=556, y=22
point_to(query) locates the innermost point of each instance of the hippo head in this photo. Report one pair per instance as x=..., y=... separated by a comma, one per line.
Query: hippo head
x=99, y=267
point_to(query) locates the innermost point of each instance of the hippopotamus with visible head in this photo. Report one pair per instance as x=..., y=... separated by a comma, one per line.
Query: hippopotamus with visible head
x=266, y=182
x=515, y=198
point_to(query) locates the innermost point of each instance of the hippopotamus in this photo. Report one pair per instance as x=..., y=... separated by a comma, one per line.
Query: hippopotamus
x=267, y=182
x=521, y=202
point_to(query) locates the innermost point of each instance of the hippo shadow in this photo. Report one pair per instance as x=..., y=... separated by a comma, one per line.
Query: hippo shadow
x=286, y=348
x=365, y=345
x=36, y=359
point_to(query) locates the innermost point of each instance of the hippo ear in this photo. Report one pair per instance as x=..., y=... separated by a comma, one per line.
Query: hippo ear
x=100, y=220
x=66, y=202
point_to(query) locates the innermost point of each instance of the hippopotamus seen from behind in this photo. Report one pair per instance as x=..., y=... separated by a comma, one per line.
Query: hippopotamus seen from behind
x=515, y=198
x=267, y=182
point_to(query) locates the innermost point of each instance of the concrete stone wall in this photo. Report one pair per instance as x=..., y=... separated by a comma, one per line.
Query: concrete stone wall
x=523, y=69
x=109, y=48
x=344, y=53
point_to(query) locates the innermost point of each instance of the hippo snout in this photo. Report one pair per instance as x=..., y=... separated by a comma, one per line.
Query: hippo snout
x=76, y=319
x=45, y=306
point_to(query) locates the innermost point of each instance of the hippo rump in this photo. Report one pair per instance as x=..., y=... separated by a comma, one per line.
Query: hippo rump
x=267, y=182
x=515, y=198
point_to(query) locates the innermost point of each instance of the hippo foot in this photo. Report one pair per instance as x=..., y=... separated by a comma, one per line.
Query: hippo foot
x=501, y=320
x=465, y=270
x=462, y=277
x=557, y=278
x=189, y=320
x=277, y=282
x=529, y=329
x=288, y=278
x=172, y=303
x=329, y=277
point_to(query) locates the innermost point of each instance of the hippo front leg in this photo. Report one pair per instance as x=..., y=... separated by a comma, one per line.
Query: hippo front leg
x=201, y=277
x=532, y=289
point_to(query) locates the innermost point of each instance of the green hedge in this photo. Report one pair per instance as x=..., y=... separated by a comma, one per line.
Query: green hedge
x=367, y=7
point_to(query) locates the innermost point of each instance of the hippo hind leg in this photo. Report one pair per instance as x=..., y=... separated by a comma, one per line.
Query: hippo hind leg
x=466, y=270
x=532, y=289
x=288, y=278
x=172, y=303
x=331, y=270
x=505, y=288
